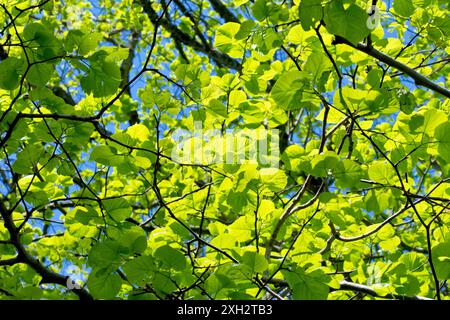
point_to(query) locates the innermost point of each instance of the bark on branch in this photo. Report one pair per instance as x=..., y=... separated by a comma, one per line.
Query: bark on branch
x=219, y=58
x=361, y=288
x=24, y=256
x=419, y=79
x=223, y=11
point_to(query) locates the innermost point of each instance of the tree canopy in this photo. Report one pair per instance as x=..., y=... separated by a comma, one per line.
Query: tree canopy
x=95, y=204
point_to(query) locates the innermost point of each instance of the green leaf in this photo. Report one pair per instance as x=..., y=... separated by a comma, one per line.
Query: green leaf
x=404, y=8
x=103, y=285
x=381, y=172
x=317, y=64
x=30, y=293
x=441, y=260
x=82, y=215
x=390, y=244
x=105, y=254
x=407, y=102
x=386, y=233
x=291, y=157
x=260, y=10
x=106, y=155
x=55, y=104
x=82, y=42
x=324, y=164
x=88, y=43
x=163, y=283
x=218, y=108
x=287, y=91
x=255, y=262
x=41, y=42
x=245, y=29
x=374, y=78
x=376, y=200
x=138, y=132
x=119, y=209
x=442, y=136
x=274, y=179
x=307, y=286
x=40, y=74
x=432, y=119
x=410, y=286
x=350, y=23
x=310, y=12
x=310, y=290
x=138, y=269
x=413, y=260
x=240, y=2
x=12, y=68
x=237, y=200
x=132, y=238
x=28, y=159
x=171, y=258
x=103, y=77
x=347, y=174
x=226, y=41
x=73, y=38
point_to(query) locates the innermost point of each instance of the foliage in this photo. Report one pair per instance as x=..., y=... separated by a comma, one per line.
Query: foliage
x=91, y=92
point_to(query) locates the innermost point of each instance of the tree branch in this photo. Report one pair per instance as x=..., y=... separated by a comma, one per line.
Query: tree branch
x=223, y=11
x=9, y=262
x=352, y=286
x=419, y=79
x=24, y=256
x=219, y=58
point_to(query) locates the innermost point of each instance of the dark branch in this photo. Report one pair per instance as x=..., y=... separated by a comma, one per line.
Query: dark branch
x=419, y=79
